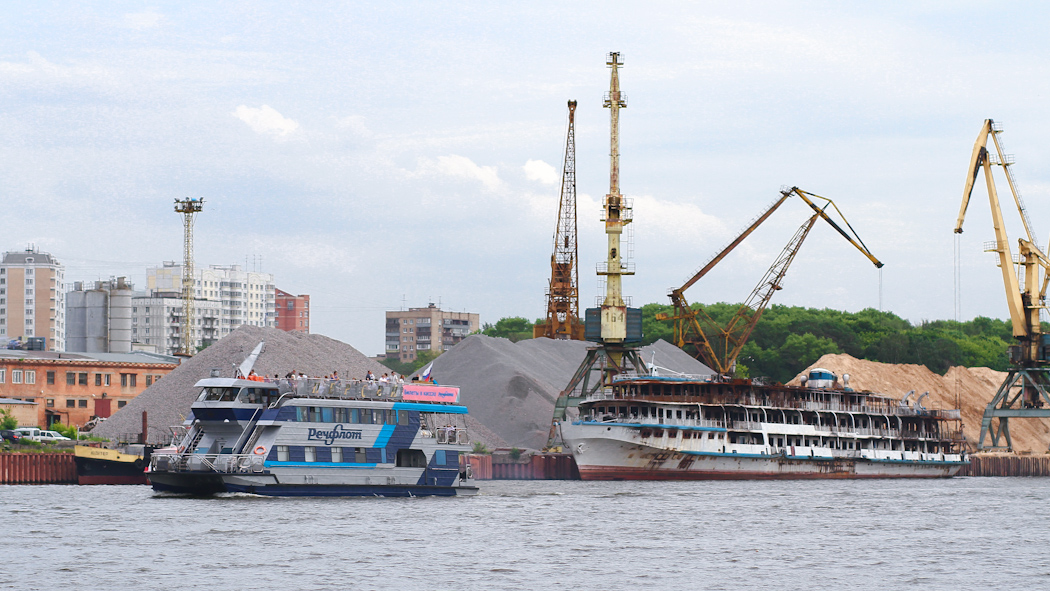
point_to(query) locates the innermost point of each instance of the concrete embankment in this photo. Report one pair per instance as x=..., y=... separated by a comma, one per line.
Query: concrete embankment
x=37, y=468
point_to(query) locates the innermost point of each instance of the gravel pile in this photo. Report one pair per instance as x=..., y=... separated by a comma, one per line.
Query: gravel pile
x=168, y=401
x=511, y=387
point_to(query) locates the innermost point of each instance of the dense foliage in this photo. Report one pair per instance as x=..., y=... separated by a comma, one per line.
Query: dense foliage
x=789, y=338
x=515, y=328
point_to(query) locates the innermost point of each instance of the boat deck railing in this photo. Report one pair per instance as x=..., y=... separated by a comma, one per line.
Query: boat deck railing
x=341, y=389
x=219, y=463
x=889, y=409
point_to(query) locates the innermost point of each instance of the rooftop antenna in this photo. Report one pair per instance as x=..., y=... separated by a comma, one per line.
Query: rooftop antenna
x=188, y=208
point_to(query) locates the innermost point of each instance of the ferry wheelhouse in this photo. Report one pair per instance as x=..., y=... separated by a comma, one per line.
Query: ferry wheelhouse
x=667, y=428
x=313, y=437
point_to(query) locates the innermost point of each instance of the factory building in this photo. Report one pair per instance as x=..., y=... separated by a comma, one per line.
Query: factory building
x=98, y=318
x=292, y=313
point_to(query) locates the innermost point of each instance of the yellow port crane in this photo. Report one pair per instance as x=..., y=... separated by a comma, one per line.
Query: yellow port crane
x=719, y=346
x=563, y=294
x=1023, y=394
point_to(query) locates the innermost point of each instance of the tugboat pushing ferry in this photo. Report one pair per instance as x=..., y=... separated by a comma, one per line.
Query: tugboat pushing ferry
x=313, y=437
x=663, y=428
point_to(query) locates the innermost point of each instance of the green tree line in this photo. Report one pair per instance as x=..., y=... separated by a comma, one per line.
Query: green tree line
x=787, y=339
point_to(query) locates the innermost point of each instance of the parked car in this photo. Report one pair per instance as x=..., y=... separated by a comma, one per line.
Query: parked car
x=34, y=434
x=10, y=435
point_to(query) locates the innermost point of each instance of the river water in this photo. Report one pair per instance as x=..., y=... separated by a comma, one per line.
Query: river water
x=963, y=533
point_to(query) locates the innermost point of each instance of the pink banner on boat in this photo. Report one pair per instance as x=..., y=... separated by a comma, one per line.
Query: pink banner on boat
x=429, y=393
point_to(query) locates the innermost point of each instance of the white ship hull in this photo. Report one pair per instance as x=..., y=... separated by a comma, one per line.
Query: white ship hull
x=606, y=451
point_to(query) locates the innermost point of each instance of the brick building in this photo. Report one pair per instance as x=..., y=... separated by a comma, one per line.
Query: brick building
x=292, y=312
x=73, y=388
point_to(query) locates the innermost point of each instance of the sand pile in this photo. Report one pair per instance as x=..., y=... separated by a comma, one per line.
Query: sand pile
x=974, y=388
x=168, y=401
x=511, y=387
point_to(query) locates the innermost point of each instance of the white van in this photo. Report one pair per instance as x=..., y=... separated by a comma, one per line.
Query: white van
x=34, y=434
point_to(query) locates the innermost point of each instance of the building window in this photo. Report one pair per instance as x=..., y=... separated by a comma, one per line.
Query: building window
x=30, y=376
x=149, y=380
x=121, y=403
x=70, y=403
x=98, y=379
x=83, y=378
x=16, y=376
x=106, y=380
x=51, y=403
x=3, y=375
x=51, y=378
x=127, y=380
x=82, y=403
x=71, y=378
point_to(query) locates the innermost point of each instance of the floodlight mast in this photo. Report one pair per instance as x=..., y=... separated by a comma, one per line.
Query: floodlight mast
x=188, y=207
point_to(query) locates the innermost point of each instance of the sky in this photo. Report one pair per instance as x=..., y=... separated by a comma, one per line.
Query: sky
x=381, y=155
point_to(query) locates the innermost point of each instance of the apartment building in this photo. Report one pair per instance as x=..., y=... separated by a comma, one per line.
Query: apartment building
x=292, y=313
x=32, y=302
x=426, y=329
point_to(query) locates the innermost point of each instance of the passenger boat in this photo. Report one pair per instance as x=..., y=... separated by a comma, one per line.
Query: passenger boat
x=313, y=437
x=695, y=428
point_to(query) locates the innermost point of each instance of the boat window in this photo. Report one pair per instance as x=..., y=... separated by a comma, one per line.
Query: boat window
x=328, y=415
x=315, y=414
x=359, y=455
x=219, y=394
x=311, y=453
x=282, y=453
x=337, y=454
x=366, y=416
x=411, y=458
x=439, y=457
x=402, y=417
x=340, y=415
x=679, y=413
x=302, y=413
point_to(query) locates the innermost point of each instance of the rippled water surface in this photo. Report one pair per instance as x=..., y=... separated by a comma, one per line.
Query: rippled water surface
x=964, y=533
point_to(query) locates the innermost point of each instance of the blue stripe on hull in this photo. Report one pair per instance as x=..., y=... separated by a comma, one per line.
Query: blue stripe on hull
x=335, y=490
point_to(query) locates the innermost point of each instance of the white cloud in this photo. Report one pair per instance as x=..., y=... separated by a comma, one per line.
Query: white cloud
x=266, y=120
x=140, y=21
x=462, y=167
x=538, y=170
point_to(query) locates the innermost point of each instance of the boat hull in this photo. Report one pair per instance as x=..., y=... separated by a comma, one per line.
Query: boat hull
x=608, y=458
x=209, y=483
x=103, y=466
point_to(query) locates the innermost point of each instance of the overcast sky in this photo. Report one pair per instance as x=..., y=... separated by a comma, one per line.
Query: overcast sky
x=375, y=154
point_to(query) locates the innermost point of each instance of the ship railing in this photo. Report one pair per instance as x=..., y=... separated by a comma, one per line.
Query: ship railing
x=341, y=389
x=220, y=463
x=451, y=436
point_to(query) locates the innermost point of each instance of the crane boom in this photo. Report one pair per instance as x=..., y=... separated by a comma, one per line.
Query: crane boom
x=563, y=296
x=719, y=347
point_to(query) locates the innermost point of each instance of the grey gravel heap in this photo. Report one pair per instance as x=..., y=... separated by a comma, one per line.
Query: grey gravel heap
x=168, y=401
x=511, y=387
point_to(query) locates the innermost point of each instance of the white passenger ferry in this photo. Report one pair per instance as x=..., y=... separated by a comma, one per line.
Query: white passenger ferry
x=313, y=437
x=660, y=428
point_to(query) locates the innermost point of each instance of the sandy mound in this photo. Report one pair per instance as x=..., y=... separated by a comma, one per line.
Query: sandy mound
x=511, y=387
x=973, y=388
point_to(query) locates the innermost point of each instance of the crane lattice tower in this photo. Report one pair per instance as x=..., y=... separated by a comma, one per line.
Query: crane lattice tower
x=563, y=296
x=188, y=208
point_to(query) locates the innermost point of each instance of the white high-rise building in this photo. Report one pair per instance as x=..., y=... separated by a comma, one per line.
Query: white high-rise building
x=226, y=297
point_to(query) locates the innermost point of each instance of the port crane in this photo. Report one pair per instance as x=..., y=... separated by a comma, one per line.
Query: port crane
x=563, y=294
x=719, y=346
x=1024, y=392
